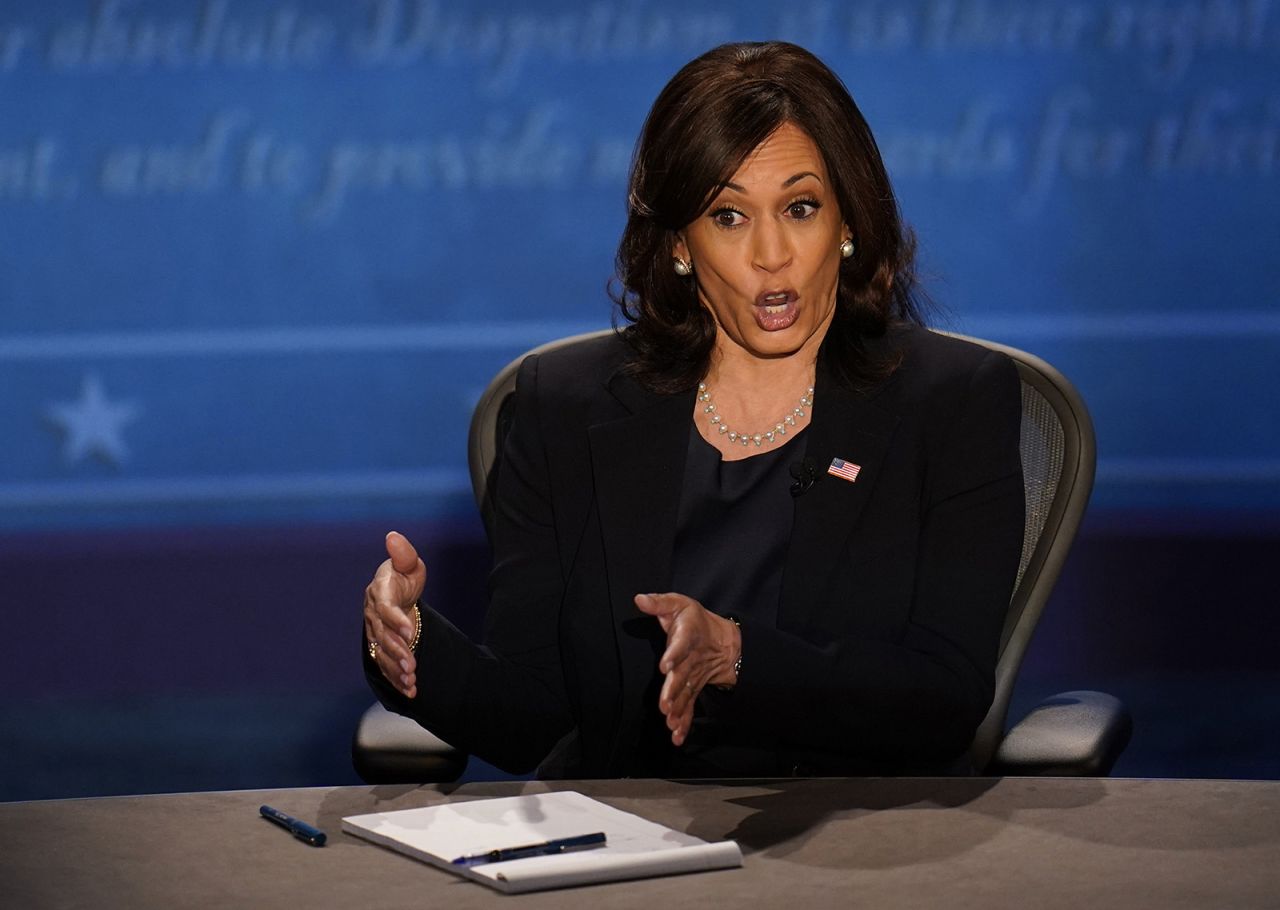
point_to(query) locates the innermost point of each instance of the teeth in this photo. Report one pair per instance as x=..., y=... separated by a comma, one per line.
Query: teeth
x=775, y=297
x=775, y=310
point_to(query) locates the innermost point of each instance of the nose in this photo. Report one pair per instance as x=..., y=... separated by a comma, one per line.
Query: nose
x=771, y=248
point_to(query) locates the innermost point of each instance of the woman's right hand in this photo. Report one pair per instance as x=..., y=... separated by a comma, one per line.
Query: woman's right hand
x=389, y=604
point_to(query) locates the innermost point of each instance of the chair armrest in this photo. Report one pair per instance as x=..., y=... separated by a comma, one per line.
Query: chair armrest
x=1071, y=734
x=390, y=749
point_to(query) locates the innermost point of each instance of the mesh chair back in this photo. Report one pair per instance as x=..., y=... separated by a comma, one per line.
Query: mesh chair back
x=1059, y=455
x=1058, y=459
x=1043, y=445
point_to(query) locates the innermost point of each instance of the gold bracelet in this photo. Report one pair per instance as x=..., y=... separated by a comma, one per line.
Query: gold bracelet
x=417, y=625
x=737, y=664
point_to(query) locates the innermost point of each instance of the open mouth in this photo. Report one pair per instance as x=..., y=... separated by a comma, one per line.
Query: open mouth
x=776, y=310
x=775, y=303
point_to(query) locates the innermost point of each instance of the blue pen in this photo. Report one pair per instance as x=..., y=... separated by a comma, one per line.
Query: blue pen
x=298, y=828
x=546, y=848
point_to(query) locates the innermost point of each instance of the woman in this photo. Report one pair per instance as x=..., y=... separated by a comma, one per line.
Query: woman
x=825, y=497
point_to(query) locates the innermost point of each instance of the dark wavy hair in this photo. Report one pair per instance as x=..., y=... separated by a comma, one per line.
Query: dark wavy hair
x=703, y=125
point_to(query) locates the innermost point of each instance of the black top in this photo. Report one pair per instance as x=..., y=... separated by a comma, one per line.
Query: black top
x=731, y=542
x=733, y=528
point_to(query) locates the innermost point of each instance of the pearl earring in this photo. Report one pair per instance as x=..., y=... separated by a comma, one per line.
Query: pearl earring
x=683, y=269
x=846, y=249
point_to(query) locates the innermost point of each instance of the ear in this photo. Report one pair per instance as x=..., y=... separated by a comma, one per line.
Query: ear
x=680, y=248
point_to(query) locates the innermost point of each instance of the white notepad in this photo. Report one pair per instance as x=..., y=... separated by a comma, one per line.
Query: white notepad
x=636, y=848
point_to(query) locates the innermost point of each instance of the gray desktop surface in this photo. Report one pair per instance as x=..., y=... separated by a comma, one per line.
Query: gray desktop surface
x=808, y=844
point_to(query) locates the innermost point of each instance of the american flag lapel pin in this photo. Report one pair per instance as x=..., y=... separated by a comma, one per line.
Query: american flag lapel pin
x=845, y=470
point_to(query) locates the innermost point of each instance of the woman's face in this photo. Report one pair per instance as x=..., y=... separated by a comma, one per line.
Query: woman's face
x=766, y=252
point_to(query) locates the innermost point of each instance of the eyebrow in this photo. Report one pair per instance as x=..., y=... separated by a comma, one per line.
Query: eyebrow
x=793, y=179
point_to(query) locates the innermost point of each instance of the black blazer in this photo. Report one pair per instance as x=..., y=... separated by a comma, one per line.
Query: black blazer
x=893, y=594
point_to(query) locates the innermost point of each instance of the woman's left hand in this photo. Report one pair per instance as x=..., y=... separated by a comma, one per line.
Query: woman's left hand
x=701, y=650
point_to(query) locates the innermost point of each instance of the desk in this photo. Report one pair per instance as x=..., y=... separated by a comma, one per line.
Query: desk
x=808, y=844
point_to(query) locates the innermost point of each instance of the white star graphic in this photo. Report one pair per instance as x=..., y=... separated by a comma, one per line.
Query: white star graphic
x=94, y=424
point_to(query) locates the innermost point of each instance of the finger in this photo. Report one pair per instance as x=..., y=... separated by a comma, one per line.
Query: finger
x=670, y=698
x=650, y=604
x=683, y=695
x=404, y=558
x=397, y=671
x=393, y=616
x=678, y=690
x=679, y=646
x=372, y=617
x=666, y=608
x=392, y=671
x=653, y=604
x=397, y=650
x=683, y=722
x=667, y=696
x=405, y=683
x=667, y=604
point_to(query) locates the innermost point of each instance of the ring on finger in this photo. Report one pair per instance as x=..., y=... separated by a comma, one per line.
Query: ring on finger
x=373, y=648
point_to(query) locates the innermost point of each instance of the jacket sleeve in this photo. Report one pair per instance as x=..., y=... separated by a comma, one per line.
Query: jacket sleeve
x=919, y=698
x=503, y=701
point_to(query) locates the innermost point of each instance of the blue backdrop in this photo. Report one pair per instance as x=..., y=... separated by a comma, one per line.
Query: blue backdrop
x=260, y=257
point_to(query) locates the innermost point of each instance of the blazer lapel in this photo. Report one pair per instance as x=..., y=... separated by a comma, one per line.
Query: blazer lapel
x=638, y=468
x=845, y=425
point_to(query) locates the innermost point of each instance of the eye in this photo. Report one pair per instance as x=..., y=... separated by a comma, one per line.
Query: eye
x=803, y=209
x=727, y=217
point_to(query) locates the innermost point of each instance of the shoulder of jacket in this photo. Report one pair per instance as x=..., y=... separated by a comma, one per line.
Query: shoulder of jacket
x=936, y=369
x=592, y=353
x=943, y=349
x=574, y=374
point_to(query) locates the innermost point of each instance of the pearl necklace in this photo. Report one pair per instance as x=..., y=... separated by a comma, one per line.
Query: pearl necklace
x=779, y=429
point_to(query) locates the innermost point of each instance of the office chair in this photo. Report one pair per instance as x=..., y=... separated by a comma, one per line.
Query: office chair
x=1079, y=733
